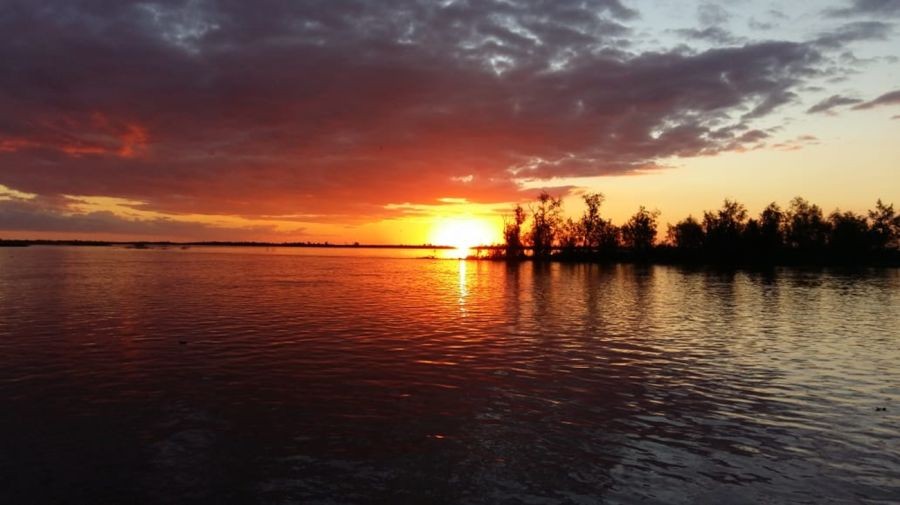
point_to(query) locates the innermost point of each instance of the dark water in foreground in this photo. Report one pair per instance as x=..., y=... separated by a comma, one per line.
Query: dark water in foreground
x=256, y=376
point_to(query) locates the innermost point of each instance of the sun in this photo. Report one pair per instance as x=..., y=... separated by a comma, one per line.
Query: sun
x=462, y=234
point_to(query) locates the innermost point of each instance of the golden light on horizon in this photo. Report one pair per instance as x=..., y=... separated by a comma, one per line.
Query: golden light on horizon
x=462, y=233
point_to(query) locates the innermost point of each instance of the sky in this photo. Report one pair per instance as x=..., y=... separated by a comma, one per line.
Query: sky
x=396, y=122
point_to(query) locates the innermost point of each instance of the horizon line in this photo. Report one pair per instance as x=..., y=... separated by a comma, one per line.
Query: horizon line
x=235, y=243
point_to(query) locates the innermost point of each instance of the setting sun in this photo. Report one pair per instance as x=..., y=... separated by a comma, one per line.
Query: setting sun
x=463, y=234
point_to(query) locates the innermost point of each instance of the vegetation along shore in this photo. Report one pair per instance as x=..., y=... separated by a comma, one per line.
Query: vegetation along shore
x=797, y=235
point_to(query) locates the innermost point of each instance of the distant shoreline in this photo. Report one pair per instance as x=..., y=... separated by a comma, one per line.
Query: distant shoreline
x=150, y=245
x=660, y=255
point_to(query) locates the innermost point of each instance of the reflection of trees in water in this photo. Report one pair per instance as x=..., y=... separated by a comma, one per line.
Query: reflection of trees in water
x=576, y=402
x=512, y=294
x=597, y=411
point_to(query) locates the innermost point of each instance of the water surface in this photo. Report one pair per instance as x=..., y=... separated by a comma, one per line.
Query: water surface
x=320, y=376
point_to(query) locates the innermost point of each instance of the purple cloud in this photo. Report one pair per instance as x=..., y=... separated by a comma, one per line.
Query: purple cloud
x=889, y=98
x=832, y=102
x=868, y=8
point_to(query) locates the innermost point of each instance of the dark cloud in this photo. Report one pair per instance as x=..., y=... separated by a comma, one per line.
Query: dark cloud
x=854, y=32
x=889, y=98
x=753, y=136
x=868, y=7
x=755, y=24
x=331, y=110
x=711, y=34
x=826, y=105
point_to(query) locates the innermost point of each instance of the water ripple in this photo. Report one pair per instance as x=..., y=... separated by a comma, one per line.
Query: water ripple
x=235, y=376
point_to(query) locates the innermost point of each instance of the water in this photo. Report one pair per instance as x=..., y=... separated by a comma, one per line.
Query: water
x=321, y=376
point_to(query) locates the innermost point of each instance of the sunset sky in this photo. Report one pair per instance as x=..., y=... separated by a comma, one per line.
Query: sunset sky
x=387, y=122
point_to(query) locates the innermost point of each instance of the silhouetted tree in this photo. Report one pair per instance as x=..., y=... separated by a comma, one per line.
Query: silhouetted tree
x=546, y=219
x=763, y=238
x=885, y=229
x=798, y=234
x=591, y=222
x=751, y=239
x=570, y=237
x=805, y=227
x=849, y=234
x=724, y=228
x=639, y=233
x=608, y=236
x=771, y=226
x=686, y=234
x=599, y=234
x=512, y=233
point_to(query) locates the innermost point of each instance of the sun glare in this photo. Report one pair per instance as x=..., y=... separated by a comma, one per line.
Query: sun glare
x=462, y=234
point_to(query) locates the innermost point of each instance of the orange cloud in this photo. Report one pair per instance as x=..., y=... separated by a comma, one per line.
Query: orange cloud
x=95, y=135
x=133, y=141
x=11, y=145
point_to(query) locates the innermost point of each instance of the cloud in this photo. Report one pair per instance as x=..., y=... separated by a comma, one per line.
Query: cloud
x=826, y=105
x=867, y=7
x=889, y=98
x=797, y=143
x=710, y=14
x=755, y=24
x=21, y=215
x=338, y=109
x=854, y=32
x=711, y=34
x=93, y=134
x=753, y=136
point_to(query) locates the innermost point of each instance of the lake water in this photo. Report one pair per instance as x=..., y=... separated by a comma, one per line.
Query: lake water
x=324, y=376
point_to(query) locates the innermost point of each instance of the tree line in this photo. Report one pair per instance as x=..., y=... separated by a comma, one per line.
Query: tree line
x=799, y=233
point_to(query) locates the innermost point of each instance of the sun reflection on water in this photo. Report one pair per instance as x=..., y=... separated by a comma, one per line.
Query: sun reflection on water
x=459, y=253
x=463, y=287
